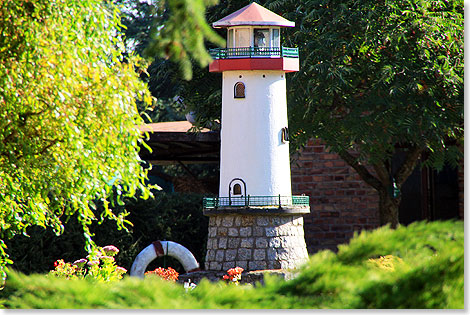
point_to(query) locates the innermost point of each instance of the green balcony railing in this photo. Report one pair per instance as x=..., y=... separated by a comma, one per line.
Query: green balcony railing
x=253, y=52
x=255, y=201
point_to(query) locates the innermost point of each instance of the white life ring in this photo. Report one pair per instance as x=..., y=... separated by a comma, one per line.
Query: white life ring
x=162, y=248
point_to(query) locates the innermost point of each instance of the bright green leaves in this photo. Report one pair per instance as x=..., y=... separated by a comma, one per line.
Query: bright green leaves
x=182, y=36
x=68, y=116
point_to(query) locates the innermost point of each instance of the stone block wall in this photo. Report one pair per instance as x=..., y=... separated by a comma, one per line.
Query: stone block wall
x=255, y=242
x=340, y=202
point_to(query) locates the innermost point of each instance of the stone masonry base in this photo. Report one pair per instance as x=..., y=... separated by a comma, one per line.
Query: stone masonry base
x=255, y=242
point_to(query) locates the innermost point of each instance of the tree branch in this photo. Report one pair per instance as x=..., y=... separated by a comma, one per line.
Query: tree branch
x=11, y=135
x=382, y=173
x=52, y=142
x=24, y=116
x=408, y=165
x=19, y=156
x=361, y=170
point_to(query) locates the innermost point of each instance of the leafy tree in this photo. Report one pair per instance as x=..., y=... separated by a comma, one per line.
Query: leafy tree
x=68, y=121
x=380, y=80
x=173, y=94
x=69, y=133
x=137, y=19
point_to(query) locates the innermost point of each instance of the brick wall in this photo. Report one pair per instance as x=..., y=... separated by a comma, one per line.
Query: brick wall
x=340, y=202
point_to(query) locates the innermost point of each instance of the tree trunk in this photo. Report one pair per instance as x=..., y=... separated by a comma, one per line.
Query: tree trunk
x=384, y=184
x=388, y=209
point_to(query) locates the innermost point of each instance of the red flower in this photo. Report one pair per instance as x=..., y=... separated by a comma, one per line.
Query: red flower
x=169, y=274
x=234, y=274
x=235, y=271
x=58, y=262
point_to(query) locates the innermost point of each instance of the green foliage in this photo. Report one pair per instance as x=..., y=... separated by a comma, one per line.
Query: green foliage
x=394, y=66
x=379, y=79
x=166, y=216
x=430, y=275
x=69, y=131
x=172, y=40
x=167, y=77
x=136, y=19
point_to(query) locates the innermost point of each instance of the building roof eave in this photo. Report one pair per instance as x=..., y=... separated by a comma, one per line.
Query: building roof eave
x=252, y=23
x=253, y=14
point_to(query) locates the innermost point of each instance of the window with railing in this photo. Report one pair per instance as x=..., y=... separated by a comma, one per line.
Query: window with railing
x=275, y=38
x=261, y=38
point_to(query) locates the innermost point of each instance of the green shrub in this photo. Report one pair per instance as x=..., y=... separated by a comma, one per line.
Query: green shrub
x=428, y=274
x=169, y=216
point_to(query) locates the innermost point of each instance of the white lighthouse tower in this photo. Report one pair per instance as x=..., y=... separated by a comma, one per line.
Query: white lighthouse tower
x=255, y=201
x=254, y=147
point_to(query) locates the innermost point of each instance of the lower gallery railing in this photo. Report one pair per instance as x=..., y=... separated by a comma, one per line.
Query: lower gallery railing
x=255, y=201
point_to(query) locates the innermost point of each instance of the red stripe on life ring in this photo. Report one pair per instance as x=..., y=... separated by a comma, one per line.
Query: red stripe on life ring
x=158, y=248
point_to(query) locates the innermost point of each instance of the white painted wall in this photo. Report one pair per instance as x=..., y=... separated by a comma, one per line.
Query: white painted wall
x=251, y=146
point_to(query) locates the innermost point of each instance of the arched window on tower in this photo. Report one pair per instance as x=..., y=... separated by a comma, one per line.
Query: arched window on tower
x=285, y=135
x=237, y=189
x=239, y=90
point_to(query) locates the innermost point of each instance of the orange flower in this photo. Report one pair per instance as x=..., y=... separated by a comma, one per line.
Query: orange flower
x=170, y=274
x=235, y=271
x=234, y=274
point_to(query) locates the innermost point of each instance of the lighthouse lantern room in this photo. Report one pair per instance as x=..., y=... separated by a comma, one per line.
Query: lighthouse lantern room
x=255, y=222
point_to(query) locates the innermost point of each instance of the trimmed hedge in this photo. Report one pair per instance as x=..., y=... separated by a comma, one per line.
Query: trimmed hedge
x=169, y=216
x=427, y=272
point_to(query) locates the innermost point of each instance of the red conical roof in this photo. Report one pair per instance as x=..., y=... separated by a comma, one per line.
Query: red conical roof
x=253, y=14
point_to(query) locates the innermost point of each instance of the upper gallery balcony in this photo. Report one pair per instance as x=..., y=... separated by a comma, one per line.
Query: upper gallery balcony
x=254, y=52
x=254, y=58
